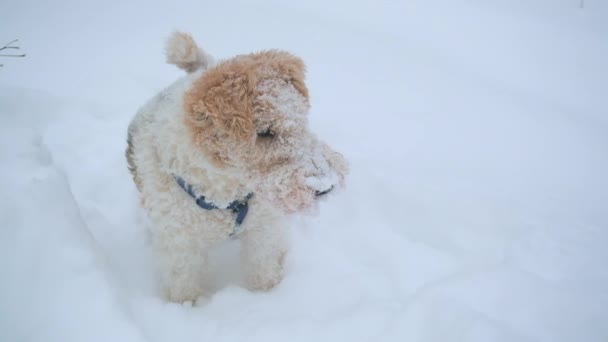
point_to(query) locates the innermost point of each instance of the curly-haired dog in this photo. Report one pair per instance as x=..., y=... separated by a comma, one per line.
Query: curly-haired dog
x=226, y=152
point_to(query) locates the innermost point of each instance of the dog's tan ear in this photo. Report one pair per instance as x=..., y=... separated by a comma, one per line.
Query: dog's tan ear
x=296, y=70
x=289, y=67
x=222, y=97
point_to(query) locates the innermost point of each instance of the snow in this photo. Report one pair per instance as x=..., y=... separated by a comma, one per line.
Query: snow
x=475, y=209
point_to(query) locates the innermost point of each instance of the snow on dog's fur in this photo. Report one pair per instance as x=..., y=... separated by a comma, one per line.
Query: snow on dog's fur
x=228, y=129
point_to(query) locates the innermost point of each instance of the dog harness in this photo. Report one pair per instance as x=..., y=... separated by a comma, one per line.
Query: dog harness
x=240, y=208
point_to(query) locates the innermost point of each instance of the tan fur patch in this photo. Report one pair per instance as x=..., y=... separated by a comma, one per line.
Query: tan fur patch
x=225, y=95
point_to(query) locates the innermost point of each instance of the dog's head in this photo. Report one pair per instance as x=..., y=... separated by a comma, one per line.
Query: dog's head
x=249, y=114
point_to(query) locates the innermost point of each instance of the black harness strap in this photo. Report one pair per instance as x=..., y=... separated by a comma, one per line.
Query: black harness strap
x=239, y=207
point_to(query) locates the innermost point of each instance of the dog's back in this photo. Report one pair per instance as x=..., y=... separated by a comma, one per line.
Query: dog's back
x=182, y=51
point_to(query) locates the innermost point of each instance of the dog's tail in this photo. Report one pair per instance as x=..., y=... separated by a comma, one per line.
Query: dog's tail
x=182, y=51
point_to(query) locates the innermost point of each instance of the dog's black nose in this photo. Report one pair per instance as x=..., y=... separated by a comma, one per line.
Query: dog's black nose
x=321, y=193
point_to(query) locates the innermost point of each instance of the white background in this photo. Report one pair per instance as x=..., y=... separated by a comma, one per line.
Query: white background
x=476, y=208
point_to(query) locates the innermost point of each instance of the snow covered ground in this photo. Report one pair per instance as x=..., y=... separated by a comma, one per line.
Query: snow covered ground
x=476, y=210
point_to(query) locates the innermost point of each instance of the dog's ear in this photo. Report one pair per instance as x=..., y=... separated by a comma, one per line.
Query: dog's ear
x=289, y=67
x=223, y=98
x=295, y=70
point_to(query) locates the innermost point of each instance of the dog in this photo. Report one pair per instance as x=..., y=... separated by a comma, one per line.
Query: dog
x=226, y=152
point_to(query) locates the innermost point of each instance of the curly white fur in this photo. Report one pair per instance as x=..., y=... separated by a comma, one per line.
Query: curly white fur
x=283, y=173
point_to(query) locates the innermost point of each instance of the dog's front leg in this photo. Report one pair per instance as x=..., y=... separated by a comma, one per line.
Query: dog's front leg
x=182, y=263
x=263, y=252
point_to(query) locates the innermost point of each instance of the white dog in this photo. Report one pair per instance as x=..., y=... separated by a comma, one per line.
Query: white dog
x=226, y=152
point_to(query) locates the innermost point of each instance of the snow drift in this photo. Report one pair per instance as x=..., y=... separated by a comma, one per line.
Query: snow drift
x=475, y=211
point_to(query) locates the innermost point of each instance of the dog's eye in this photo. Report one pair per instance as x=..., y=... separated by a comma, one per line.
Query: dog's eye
x=266, y=134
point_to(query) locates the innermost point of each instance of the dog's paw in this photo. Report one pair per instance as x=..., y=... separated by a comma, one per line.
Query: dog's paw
x=184, y=291
x=263, y=283
x=265, y=276
x=184, y=296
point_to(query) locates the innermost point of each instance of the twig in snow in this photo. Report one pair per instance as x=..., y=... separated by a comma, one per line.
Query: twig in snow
x=10, y=45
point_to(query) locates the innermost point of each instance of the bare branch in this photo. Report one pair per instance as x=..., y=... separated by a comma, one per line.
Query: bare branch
x=10, y=45
x=21, y=55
